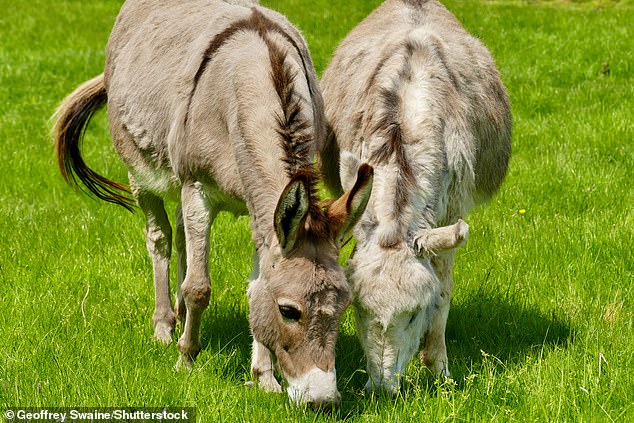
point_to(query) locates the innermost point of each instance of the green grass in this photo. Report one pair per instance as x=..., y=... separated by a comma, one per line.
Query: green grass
x=541, y=323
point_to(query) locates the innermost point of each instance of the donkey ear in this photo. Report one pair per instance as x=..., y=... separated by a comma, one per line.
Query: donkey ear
x=346, y=211
x=428, y=242
x=290, y=213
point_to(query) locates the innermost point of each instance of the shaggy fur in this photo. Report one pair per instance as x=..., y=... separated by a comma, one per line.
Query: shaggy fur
x=413, y=94
x=217, y=106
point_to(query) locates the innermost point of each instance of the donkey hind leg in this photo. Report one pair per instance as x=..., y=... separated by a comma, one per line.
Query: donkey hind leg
x=434, y=353
x=158, y=238
x=181, y=256
x=196, y=289
x=262, y=368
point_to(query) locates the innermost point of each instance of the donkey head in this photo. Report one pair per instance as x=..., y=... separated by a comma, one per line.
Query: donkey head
x=301, y=292
x=395, y=287
x=396, y=291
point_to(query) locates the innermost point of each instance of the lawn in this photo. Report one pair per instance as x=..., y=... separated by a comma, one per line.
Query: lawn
x=541, y=323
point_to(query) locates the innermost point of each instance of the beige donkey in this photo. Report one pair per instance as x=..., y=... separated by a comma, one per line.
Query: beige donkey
x=412, y=93
x=217, y=106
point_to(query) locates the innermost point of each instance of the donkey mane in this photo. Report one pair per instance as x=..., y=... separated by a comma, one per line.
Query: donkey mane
x=295, y=140
x=389, y=122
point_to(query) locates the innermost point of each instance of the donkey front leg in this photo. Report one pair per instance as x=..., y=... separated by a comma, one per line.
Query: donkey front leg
x=158, y=237
x=434, y=353
x=262, y=368
x=196, y=288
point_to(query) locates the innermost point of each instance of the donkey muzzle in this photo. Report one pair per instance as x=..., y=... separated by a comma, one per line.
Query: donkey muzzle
x=316, y=388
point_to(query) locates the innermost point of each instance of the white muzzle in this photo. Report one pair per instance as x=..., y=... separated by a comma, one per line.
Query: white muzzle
x=315, y=387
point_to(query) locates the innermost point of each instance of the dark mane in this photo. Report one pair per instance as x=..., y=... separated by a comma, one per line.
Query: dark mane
x=294, y=129
x=389, y=124
x=296, y=133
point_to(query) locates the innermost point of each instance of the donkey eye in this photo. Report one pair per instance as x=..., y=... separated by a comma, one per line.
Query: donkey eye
x=290, y=312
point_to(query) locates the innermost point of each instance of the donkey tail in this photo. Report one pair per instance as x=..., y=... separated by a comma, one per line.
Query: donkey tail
x=71, y=119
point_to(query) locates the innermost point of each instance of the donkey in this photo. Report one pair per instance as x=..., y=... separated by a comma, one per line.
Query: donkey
x=412, y=93
x=217, y=106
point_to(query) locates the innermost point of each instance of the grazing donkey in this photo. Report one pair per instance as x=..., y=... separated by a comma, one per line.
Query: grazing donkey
x=217, y=106
x=412, y=93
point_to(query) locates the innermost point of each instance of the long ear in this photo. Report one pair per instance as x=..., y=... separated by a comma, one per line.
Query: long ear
x=290, y=213
x=429, y=242
x=346, y=211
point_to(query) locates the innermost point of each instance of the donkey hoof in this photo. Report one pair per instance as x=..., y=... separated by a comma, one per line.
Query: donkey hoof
x=163, y=332
x=188, y=353
x=184, y=363
x=269, y=385
x=437, y=366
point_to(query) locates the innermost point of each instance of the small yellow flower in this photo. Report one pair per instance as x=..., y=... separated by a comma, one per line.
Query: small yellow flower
x=521, y=211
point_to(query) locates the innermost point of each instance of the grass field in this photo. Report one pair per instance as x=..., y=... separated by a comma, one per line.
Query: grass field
x=541, y=323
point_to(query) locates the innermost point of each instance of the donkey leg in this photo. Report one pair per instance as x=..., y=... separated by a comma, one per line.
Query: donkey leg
x=434, y=353
x=158, y=239
x=262, y=368
x=196, y=288
x=181, y=255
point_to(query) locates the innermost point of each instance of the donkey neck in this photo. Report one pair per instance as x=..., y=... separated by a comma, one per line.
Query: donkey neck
x=272, y=130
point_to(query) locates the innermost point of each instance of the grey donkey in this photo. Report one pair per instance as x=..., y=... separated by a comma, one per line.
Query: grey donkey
x=217, y=106
x=412, y=93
